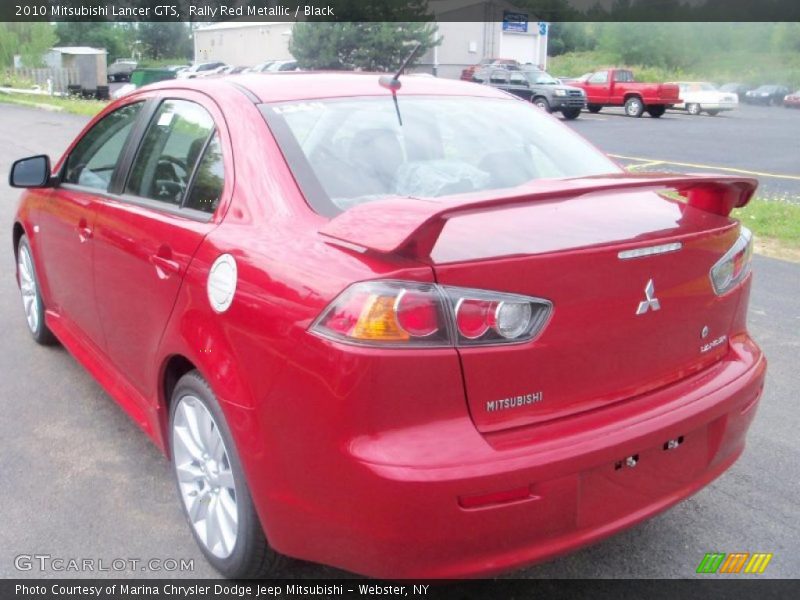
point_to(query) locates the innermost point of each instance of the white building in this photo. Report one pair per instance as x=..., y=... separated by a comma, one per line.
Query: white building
x=471, y=32
x=242, y=43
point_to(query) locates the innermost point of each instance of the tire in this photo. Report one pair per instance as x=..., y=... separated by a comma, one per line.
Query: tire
x=570, y=113
x=594, y=108
x=542, y=103
x=656, y=111
x=31, y=294
x=212, y=487
x=693, y=108
x=713, y=113
x=634, y=107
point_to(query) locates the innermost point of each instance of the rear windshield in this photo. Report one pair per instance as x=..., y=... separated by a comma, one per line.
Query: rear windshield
x=345, y=152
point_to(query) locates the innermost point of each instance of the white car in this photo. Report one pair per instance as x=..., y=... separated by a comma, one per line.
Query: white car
x=282, y=65
x=200, y=70
x=700, y=96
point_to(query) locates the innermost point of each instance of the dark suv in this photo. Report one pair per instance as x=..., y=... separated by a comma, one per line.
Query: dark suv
x=537, y=86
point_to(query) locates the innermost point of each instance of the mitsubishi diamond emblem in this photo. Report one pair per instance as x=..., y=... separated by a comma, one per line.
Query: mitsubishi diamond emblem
x=650, y=301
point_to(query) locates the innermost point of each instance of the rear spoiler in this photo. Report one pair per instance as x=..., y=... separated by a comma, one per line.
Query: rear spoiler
x=410, y=226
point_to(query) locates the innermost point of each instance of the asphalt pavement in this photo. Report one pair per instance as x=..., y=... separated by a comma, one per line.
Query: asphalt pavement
x=757, y=141
x=80, y=480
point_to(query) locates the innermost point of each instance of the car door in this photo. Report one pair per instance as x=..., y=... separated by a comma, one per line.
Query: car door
x=598, y=88
x=519, y=86
x=146, y=235
x=66, y=221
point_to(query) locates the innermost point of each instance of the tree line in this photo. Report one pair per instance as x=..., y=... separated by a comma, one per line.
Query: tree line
x=150, y=41
x=381, y=45
x=672, y=45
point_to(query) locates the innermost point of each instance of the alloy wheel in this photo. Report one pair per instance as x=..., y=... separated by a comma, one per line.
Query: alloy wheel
x=205, y=477
x=633, y=108
x=28, y=289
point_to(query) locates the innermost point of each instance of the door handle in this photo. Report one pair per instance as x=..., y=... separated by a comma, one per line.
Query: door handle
x=165, y=266
x=84, y=231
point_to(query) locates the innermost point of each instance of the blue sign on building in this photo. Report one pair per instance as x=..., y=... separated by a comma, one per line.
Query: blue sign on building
x=514, y=21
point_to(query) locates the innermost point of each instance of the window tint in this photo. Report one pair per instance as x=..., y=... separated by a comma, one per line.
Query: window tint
x=358, y=152
x=208, y=181
x=519, y=79
x=499, y=77
x=601, y=77
x=93, y=160
x=169, y=151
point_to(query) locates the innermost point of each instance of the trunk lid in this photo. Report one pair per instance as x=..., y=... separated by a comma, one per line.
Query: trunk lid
x=561, y=240
x=621, y=326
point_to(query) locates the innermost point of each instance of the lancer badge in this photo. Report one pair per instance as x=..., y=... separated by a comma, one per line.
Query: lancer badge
x=650, y=301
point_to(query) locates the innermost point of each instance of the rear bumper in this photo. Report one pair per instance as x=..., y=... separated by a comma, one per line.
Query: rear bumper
x=719, y=105
x=396, y=506
x=710, y=105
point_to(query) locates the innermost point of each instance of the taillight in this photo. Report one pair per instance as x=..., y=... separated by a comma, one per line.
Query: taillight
x=483, y=317
x=733, y=267
x=387, y=313
x=408, y=314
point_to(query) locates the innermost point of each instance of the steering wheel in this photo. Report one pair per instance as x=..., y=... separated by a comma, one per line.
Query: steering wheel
x=168, y=190
x=175, y=161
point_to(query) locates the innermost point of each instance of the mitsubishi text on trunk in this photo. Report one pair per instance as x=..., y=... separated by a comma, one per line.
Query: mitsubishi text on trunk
x=412, y=328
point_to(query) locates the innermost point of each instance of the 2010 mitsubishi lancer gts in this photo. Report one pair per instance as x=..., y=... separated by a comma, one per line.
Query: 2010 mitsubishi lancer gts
x=408, y=328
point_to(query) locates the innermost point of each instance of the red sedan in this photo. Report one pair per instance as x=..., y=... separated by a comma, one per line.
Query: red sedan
x=435, y=334
x=792, y=100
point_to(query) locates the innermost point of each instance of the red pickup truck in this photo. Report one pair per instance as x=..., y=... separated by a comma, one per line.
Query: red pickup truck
x=617, y=87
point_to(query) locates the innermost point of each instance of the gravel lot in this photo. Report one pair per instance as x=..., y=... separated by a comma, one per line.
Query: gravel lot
x=81, y=481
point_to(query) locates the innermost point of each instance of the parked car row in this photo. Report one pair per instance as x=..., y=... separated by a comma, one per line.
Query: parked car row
x=618, y=87
x=593, y=91
x=209, y=69
x=768, y=94
x=705, y=97
x=140, y=77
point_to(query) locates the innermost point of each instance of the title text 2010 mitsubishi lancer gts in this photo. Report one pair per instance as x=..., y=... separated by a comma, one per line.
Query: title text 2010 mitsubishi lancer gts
x=411, y=328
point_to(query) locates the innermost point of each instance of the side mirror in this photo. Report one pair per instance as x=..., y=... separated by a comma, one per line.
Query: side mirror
x=33, y=172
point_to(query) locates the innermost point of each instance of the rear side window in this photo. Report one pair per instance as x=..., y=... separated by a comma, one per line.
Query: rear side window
x=169, y=152
x=92, y=162
x=519, y=79
x=209, y=179
x=601, y=77
x=499, y=77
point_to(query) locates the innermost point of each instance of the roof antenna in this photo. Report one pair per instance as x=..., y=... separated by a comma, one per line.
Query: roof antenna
x=392, y=82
